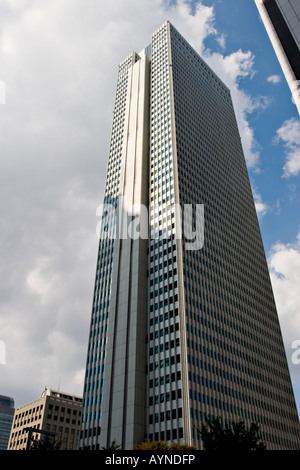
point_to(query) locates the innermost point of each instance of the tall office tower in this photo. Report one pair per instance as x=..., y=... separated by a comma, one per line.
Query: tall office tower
x=281, y=19
x=184, y=323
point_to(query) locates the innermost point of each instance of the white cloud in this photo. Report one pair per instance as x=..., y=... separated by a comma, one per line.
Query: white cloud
x=221, y=40
x=59, y=64
x=195, y=26
x=274, y=79
x=284, y=263
x=261, y=207
x=37, y=278
x=231, y=69
x=289, y=134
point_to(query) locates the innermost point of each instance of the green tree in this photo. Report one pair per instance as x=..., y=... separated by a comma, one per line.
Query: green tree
x=113, y=446
x=161, y=445
x=231, y=437
x=45, y=443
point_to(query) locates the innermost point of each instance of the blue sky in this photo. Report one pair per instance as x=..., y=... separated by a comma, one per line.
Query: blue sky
x=243, y=29
x=59, y=65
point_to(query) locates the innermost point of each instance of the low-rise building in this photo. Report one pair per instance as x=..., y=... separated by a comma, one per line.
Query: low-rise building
x=54, y=412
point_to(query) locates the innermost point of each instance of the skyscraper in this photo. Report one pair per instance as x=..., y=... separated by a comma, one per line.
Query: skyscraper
x=281, y=19
x=184, y=323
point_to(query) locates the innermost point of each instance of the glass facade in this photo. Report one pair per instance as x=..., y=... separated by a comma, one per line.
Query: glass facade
x=6, y=419
x=181, y=331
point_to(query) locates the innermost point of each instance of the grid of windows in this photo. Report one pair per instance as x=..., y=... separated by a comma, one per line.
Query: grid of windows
x=232, y=331
x=6, y=419
x=5, y=427
x=164, y=360
x=97, y=351
x=55, y=412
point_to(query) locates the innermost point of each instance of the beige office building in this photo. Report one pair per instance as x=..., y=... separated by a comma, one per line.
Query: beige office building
x=54, y=412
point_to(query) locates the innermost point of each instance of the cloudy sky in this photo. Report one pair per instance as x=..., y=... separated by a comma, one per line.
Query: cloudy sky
x=58, y=69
